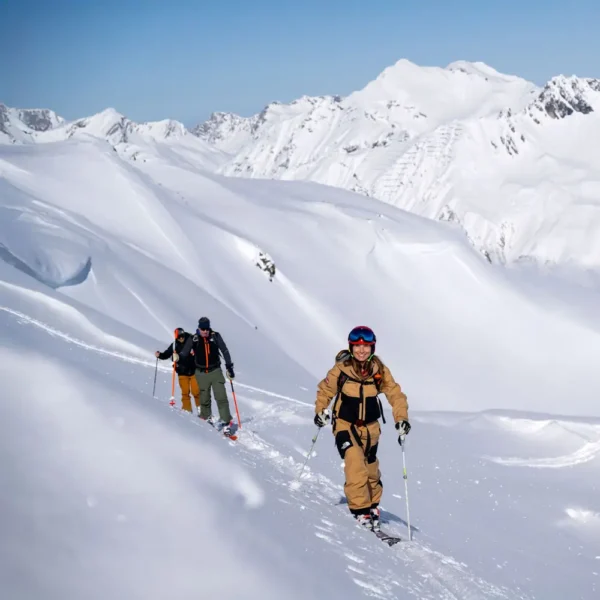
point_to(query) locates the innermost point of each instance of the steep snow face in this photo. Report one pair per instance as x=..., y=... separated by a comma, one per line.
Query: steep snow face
x=514, y=165
x=526, y=185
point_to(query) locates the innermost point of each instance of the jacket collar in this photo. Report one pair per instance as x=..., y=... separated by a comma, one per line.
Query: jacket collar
x=351, y=373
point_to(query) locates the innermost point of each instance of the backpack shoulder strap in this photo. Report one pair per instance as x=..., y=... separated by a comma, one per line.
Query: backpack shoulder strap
x=343, y=377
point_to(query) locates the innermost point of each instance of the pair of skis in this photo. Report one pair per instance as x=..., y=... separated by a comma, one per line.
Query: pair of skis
x=229, y=437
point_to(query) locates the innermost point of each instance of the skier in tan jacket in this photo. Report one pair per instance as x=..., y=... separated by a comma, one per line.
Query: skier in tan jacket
x=359, y=375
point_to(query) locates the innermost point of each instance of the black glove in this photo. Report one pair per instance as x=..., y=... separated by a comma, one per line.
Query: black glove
x=403, y=427
x=230, y=373
x=322, y=418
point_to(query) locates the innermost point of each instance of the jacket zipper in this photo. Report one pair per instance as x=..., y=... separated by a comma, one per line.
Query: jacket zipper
x=206, y=352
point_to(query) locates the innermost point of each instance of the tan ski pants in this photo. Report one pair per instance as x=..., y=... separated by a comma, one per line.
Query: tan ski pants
x=358, y=448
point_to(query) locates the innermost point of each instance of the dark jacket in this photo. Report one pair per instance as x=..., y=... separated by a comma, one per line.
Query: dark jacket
x=185, y=364
x=206, y=352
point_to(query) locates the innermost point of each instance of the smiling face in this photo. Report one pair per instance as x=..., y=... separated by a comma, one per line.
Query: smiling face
x=361, y=352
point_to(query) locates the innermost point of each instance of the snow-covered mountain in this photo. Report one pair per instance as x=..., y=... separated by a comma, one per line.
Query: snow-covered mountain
x=108, y=493
x=136, y=141
x=514, y=165
x=17, y=125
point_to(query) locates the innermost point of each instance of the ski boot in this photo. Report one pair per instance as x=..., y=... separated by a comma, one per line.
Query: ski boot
x=211, y=420
x=226, y=429
x=375, y=517
x=365, y=521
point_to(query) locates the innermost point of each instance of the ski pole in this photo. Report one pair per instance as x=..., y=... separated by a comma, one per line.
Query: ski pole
x=237, y=412
x=405, y=476
x=314, y=441
x=172, y=400
x=155, y=372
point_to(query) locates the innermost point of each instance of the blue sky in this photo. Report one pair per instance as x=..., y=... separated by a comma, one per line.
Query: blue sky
x=154, y=59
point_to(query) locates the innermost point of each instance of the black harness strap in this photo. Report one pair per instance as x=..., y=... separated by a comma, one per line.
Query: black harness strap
x=381, y=409
x=343, y=377
x=354, y=432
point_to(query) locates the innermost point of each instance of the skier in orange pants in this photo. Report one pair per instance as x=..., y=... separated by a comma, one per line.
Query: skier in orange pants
x=185, y=367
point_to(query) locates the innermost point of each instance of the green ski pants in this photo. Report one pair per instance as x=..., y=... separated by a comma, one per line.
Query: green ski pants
x=215, y=380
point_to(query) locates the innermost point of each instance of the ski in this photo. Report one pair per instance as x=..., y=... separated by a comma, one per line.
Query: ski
x=386, y=538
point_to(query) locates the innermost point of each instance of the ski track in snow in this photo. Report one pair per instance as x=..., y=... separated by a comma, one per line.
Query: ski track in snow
x=432, y=575
x=23, y=318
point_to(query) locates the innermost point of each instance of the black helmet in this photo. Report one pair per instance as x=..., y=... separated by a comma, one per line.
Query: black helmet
x=179, y=333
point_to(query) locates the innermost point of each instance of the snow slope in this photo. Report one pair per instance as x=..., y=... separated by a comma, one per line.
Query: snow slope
x=164, y=240
x=110, y=493
x=516, y=166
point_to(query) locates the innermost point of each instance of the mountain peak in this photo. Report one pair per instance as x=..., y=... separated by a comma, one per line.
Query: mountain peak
x=165, y=129
x=218, y=130
x=109, y=113
x=564, y=95
x=442, y=94
x=480, y=69
x=40, y=119
x=20, y=124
